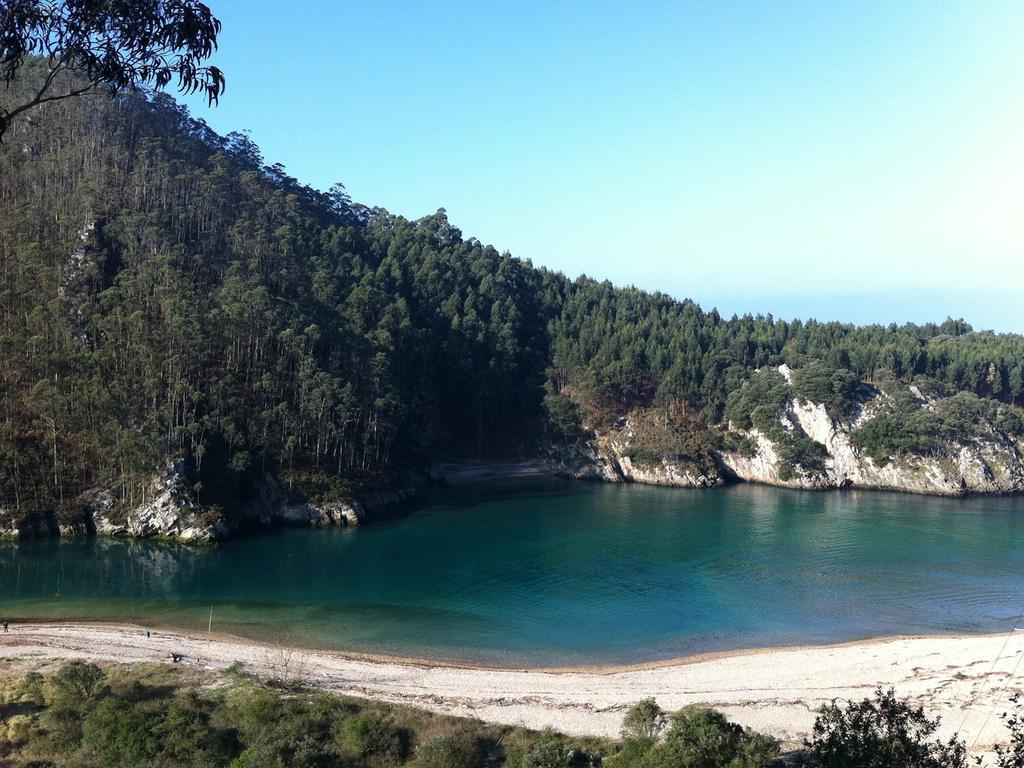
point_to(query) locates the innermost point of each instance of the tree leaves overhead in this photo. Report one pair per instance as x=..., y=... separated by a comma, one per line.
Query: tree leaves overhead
x=124, y=45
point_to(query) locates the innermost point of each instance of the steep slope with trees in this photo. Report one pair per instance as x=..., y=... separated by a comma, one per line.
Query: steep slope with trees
x=188, y=330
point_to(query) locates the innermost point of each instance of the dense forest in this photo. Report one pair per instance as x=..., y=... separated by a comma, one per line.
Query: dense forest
x=166, y=293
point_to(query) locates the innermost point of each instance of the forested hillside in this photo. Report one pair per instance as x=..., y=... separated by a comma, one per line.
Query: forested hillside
x=166, y=294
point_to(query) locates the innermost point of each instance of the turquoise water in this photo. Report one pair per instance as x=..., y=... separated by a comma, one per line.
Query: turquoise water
x=549, y=572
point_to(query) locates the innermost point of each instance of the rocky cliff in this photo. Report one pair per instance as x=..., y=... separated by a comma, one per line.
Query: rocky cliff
x=988, y=462
x=273, y=507
x=169, y=509
x=606, y=458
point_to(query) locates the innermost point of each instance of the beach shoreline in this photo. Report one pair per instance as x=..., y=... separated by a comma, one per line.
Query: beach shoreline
x=597, y=668
x=965, y=679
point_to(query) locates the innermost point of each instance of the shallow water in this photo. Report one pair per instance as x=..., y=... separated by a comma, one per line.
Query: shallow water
x=551, y=572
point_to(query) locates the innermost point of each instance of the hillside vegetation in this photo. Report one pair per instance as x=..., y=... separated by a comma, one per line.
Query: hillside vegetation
x=167, y=295
x=82, y=715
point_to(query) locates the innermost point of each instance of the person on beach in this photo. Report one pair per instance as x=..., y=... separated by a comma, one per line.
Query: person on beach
x=147, y=634
x=6, y=626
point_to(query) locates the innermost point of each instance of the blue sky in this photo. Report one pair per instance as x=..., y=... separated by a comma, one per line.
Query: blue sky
x=856, y=161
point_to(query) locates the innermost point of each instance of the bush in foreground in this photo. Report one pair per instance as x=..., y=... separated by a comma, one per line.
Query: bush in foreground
x=454, y=750
x=643, y=722
x=884, y=732
x=84, y=716
x=696, y=738
x=1011, y=754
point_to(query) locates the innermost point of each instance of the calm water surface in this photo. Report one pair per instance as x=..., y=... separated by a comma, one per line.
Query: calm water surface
x=555, y=572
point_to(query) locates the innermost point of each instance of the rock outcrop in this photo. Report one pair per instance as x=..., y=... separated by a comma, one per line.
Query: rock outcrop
x=991, y=463
x=272, y=506
x=320, y=514
x=606, y=458
x=168, y=509
x=17, y=526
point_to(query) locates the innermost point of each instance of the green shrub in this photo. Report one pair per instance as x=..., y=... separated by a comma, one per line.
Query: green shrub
x=550, y=750
x=759, y=401
x=741, y=444
x=74, y=684
x=799, y=451
x=121, y=734
x=759, y=404
x=1011, y=753
x=704, y=738
x=671, y=432
x=835, y=388
x=1010, y=420
x=32, y=688
x=631, y=754
x=370, y=735
x=187, y=736
x=279, y=731
x=301, y=753
x=550, y=753
x=63, y=729
x=454, y=750
x=643, y=722
x=150, y=716
x=884, y=732
x=904, y=427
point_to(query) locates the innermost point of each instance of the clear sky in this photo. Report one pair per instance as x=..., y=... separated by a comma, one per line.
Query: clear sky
x=857, y=161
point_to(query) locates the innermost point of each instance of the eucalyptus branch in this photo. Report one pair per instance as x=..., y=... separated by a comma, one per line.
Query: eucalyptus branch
x=132, y=45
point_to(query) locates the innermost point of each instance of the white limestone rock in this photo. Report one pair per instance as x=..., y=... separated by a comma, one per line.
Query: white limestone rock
x=606, y=458
x=273, y=507
x=168, y=509
x=991, y=465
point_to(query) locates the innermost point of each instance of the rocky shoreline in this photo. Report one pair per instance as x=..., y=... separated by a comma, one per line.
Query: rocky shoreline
x=170, y=511
x=170, y=514
x=990, y=464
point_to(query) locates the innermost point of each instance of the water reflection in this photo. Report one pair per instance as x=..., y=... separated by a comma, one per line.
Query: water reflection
x=546, y=571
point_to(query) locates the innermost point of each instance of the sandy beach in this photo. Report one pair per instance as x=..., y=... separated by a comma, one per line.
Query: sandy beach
x=966, y=680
